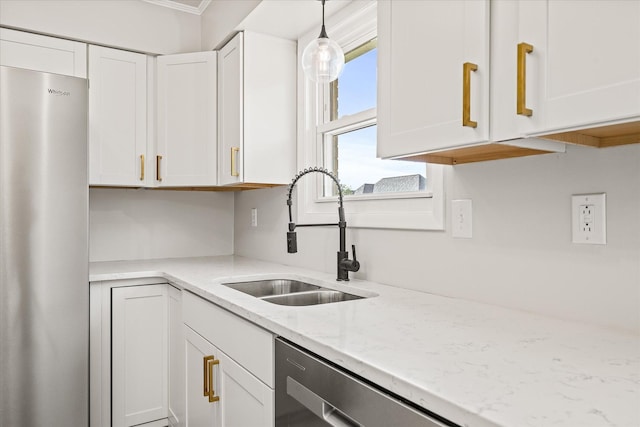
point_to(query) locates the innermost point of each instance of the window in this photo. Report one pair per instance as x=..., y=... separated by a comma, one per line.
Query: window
x=337, y=127
x=348, y=134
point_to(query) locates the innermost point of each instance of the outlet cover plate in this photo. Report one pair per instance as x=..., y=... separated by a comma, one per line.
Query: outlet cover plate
x=589, y=218
x=254, y=217
x=462, y=219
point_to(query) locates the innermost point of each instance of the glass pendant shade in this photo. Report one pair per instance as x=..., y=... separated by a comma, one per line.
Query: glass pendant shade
x=322, y=59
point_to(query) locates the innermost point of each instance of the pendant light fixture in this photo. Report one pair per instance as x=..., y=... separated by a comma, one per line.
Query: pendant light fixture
x=322, y=59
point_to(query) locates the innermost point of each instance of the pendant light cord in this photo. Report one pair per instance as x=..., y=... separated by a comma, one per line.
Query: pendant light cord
x=323, y=32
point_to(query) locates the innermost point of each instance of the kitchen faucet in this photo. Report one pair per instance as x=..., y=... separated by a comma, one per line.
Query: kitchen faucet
x=345, y=265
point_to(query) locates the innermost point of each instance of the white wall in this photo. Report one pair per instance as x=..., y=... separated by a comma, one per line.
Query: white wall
x=126, y=24
x=521, y=253
x=220, y=19
x=142, y=224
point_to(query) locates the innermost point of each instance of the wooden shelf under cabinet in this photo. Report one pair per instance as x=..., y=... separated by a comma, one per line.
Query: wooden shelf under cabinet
x=238, y=187
x=477, y=153
x=599, y=137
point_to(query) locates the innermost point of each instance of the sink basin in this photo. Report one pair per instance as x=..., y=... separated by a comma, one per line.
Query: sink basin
x=322, y=296
x=263, y=288
x=291, y=292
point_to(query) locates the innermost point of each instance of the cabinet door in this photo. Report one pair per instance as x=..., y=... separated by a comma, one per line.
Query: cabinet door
x=139, y=354
x=583, y=69
x=41, y=53
x=117, y=117
x=256, y=110
x=186, y=120
x=592, y=61
x=199, y=412
x=176, y=358
x=268, y=109
x=244, y=399
x=230, y=110
x=423, y=46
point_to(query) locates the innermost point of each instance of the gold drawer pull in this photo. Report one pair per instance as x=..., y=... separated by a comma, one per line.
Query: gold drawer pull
x=208, y=363
x=212, y=393
x=467, y=68
x=141, y=167
x=234, y=161
x=521, y=108
x=205, y=370
x=158, y=175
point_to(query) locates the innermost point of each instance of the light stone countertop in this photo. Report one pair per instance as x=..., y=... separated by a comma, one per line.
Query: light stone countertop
x=475, y=364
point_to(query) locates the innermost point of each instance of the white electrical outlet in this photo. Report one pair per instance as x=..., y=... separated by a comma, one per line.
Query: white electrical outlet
x=461, y=219
x=589, y=218
x=254, y=217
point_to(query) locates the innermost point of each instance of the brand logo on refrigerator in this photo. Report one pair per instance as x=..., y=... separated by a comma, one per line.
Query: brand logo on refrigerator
x=58, y=92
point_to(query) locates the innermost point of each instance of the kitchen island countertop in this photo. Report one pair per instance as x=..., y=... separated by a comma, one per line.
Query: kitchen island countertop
x=475, y=364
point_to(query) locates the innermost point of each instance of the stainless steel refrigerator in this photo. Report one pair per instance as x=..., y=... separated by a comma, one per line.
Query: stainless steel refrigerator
x=44, y=291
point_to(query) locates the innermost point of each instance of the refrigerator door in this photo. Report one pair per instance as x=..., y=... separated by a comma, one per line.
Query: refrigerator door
x=44, y=292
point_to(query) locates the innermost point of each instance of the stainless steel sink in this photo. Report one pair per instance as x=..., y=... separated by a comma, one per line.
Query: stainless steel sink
x=291, y=292
x=263, y=288
x=323, y=296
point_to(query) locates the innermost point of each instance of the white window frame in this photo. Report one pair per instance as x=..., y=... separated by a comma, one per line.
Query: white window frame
x=352, y=26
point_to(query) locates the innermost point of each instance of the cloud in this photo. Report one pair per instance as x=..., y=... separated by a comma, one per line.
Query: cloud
x=358, y=164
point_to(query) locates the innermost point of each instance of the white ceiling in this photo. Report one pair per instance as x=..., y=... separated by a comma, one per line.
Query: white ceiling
x=290, y=19
x=281, y=18
x=191, y=6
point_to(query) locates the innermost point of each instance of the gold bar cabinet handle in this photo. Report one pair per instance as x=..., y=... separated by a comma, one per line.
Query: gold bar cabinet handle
x=205, y=369
x=521, y=108
x=212, y=393
x=234, y=161
x=467, y=68
x=158, y=176
x=141, y=167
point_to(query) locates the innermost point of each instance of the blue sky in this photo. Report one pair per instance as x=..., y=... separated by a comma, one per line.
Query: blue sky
x=357, y=150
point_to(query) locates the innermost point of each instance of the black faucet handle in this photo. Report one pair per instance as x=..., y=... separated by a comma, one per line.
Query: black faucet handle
x=292, y=242
x=355, y=265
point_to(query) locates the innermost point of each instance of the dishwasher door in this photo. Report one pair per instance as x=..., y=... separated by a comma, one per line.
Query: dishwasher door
x=312, y=393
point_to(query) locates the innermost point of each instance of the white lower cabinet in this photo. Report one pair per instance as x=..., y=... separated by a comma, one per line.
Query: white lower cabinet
x=221, y=391
x=199, y=411
x=244, y=399
x=176, y=359
x=163, y=357
x=139, y=355
x=131, y=329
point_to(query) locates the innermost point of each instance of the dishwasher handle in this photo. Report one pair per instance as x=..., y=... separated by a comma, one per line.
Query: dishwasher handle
x=318, y=406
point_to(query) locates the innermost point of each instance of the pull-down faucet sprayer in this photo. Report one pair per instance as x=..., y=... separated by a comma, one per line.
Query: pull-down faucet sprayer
x=345, y=265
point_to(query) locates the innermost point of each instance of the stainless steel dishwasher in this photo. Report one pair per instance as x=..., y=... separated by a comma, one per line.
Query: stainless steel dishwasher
x=312, y=392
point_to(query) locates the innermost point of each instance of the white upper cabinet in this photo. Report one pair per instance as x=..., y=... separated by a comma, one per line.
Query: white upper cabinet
x=41, y=53
x=186, y=153
x=579, y=65
x=117, y=117
x=560, y=70
x=256, y=110
x=433, y=75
